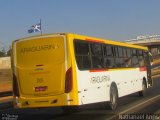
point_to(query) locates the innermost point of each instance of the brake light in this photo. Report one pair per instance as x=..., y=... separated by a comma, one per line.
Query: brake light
x=15, y=86
x=68, y=82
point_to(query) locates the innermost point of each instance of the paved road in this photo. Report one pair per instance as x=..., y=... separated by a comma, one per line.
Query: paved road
x=92, y=112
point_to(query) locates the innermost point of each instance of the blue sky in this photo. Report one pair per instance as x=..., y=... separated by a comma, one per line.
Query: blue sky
x=109, y=19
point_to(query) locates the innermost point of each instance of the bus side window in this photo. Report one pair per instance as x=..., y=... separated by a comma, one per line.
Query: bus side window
x=141, y=61
x=128, y=59
x=109, y=60
x=82, y=54
x=108, y=50
x=120, y=58
x=128, y=52
x=120, y=52
x=128, y=62
x=124, y=52
x=140, y=58
x=135, y=62
x=97, y=56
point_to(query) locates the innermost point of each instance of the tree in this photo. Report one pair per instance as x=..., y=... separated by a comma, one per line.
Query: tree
x=2, y=53
x=9, y=52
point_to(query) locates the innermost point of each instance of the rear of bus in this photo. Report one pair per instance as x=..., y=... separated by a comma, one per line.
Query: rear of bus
x=42, y=76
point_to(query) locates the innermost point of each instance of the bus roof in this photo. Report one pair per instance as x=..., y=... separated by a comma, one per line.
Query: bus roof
x=87, y=38
x=111, y=42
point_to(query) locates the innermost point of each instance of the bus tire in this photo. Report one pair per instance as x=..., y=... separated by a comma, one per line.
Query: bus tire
x=144, y=89
x=113, y=98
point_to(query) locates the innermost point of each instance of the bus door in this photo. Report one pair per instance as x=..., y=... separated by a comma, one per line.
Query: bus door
x=148, y=65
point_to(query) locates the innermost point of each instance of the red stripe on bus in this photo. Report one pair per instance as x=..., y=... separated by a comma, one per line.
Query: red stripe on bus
x=143, y=69
x=102, y=70
x=97, y=41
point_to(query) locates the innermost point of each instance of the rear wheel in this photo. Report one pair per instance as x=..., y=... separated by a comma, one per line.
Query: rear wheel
x=144, y=89
x=113, y=98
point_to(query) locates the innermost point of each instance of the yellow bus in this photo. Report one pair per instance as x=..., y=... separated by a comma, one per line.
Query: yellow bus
x=69, y=70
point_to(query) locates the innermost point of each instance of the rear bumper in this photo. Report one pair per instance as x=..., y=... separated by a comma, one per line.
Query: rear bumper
x=34, y=102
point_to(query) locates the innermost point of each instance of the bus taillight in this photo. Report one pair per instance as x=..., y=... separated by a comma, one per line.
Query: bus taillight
x=68, y=82
x=15, y=86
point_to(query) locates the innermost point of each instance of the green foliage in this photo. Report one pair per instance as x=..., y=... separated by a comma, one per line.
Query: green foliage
x=2, y=53
x=9, y=52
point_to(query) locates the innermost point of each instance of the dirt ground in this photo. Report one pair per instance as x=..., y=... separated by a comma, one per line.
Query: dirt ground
x=5, y=80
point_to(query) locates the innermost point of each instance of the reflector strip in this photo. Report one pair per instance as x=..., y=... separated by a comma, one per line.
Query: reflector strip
x=97, y=41
x=142, y=69
x=102, y=70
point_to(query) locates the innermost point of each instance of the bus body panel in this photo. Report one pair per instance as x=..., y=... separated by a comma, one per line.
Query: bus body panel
x=95, y=86
x=40, y=65
x=72, y=96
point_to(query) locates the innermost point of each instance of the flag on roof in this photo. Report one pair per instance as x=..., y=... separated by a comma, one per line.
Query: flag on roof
x=35, y=28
